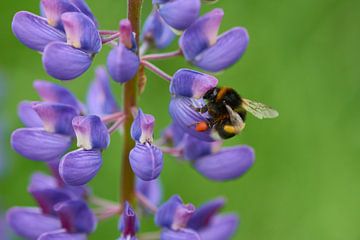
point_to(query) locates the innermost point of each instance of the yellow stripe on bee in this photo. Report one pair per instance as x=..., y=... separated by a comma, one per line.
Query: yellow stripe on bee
x=221, y=94
x=230, y=129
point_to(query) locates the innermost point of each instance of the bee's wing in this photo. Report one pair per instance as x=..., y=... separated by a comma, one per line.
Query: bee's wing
x=259, y=110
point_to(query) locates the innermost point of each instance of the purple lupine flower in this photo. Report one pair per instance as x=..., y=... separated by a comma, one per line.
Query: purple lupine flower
x=202, y=47
x=122, y=61
x=152, y=190
x=100, y=100
x=80, y=166
x=31, y=223
x=208, y=158
x=173, y=217
x=156, y=31
x=187, y=87
x=51, y=141
x=146, y=159
x=179, y=14
x=128, y=224
x=48, y=133
x=201, y=223
x=68, y=36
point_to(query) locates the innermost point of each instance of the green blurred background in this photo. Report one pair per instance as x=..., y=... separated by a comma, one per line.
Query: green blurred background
x=303, y=59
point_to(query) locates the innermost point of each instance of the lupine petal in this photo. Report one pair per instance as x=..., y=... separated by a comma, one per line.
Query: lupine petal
x=173, y=135
x=80, y=166
x=57, y=118
x=39, y=145
x=228, y=49
x=62, y=235
x=186, y=117
x=100, y=100
x=64, y=62
x=146, y=161
x=91, y=132
x=152, y=190
x=180, y=14
x=122, y=63
x=128, y=224
x=221, y=227
x=55, y=93
x=30, y=223
x=76, y=216
x=143, y=127
x=53, y=10
x=27, y=114
x=190, y=83
x=229, y=163
x=173, y=214
x=205, y=213
x=156, y=31
x=81, y=32
x=183, y=234
x=34, y=32
x=126, y=33
x=195, y=148
x=46, y=192
x=201, y=35
x=84, y=8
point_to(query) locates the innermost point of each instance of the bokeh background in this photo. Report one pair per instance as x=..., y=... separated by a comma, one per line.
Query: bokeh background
x=303, y=59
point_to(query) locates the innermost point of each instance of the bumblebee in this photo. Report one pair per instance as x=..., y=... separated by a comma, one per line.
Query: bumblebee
x=227, y=112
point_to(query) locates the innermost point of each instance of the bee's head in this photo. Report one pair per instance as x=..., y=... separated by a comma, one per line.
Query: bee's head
x=211, y=94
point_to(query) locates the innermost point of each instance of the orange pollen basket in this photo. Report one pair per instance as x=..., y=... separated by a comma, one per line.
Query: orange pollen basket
x=201, y=126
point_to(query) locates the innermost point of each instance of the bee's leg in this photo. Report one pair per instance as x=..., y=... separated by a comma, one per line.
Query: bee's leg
x=202, y=109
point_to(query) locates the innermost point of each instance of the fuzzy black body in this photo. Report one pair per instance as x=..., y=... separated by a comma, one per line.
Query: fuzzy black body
x=216, y=100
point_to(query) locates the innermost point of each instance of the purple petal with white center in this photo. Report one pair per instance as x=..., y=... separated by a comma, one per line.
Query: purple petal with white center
x=180, y=14
x=57, y=118
x=205, y=213
x=54, y=93
x=221, y=227
x=81, y=32
x=80, y=166
x=64, y=62
x=156, y=31
x=30, y=223
x=27, y=114
x=128, y=224
x=122, y=63
x=100, y=100
x=53, y=10
x=195, y=148
x=228, y=49
x=34, y=31
x=190, y=83
x=143, y=127
x=126, y=33
x=173, y=214
x=229, y=163
x=201, y=35
x=62, y=235
x=84, y=8
x=39, y=145
x=146, y=161
x=152, y=190
x=91, y=132
x=76, y=216
x=183, y=234
x=182, y=112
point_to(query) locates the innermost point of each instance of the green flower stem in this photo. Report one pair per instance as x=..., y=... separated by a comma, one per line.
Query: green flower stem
x=127, y=184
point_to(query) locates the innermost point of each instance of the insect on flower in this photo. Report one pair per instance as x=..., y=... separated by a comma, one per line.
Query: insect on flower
x=227, y=112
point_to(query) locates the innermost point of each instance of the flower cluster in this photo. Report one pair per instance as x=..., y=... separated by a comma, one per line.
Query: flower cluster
x=67, y=35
